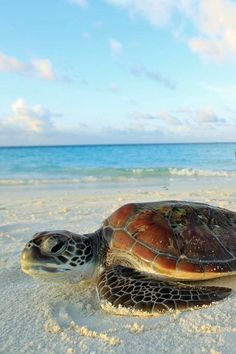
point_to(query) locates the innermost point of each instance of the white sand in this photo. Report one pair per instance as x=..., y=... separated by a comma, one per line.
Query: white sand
x=42, y=317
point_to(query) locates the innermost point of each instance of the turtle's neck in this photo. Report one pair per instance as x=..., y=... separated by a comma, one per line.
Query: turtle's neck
x=100, y=246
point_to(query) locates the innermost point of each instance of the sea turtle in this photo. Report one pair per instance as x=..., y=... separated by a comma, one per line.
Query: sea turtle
x=141, y=253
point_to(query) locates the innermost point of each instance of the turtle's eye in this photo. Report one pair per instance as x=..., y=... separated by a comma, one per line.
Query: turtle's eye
x=53, y=245
x=57, y=247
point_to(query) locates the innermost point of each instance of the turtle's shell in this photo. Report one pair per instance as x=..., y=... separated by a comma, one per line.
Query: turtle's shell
x=182, y=240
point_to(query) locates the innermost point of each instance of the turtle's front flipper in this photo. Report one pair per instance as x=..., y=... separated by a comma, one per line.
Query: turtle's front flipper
x=121, y=289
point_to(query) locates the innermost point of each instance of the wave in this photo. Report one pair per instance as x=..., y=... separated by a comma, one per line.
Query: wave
x=115, y=175
x=200, y=173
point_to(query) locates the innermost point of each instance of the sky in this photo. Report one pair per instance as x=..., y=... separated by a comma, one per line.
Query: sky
x=117, y=71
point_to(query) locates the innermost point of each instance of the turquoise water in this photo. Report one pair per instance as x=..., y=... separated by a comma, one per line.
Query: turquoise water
x=115, y=162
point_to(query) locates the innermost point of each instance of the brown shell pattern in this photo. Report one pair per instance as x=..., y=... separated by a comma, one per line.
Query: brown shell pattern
x=182, y=236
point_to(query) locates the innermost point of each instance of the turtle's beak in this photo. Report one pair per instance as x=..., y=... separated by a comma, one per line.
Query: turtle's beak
x=33, y=262
x=46, y=267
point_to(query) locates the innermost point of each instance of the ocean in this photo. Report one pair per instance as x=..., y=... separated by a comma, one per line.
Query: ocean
x=111, y=163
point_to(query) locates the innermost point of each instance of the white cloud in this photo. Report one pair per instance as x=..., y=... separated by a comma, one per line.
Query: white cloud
x=183, y=118
x=115, y=46
x=37, y=125
x=214, y=22
x=203, y=115
x=10, y=64
x=207, y=115
x=216, y=49
x=186, y=124
x=216, y=16
x=41, y=68
x=26, y=119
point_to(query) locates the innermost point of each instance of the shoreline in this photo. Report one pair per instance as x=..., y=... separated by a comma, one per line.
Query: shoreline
x=161, y=188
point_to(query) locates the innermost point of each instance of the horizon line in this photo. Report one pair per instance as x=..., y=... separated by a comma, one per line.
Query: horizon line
x=112, y=144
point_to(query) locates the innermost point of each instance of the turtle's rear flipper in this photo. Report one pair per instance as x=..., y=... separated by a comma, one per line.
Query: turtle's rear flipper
x=121, y=289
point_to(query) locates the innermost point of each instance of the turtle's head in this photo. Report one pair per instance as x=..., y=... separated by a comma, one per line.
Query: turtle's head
x=60, y=253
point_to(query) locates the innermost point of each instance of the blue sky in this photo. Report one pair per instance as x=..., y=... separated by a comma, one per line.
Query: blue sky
x=117, y=71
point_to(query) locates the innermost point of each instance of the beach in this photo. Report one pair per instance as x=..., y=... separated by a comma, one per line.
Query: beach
x=62, y=317
x=105, y=103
